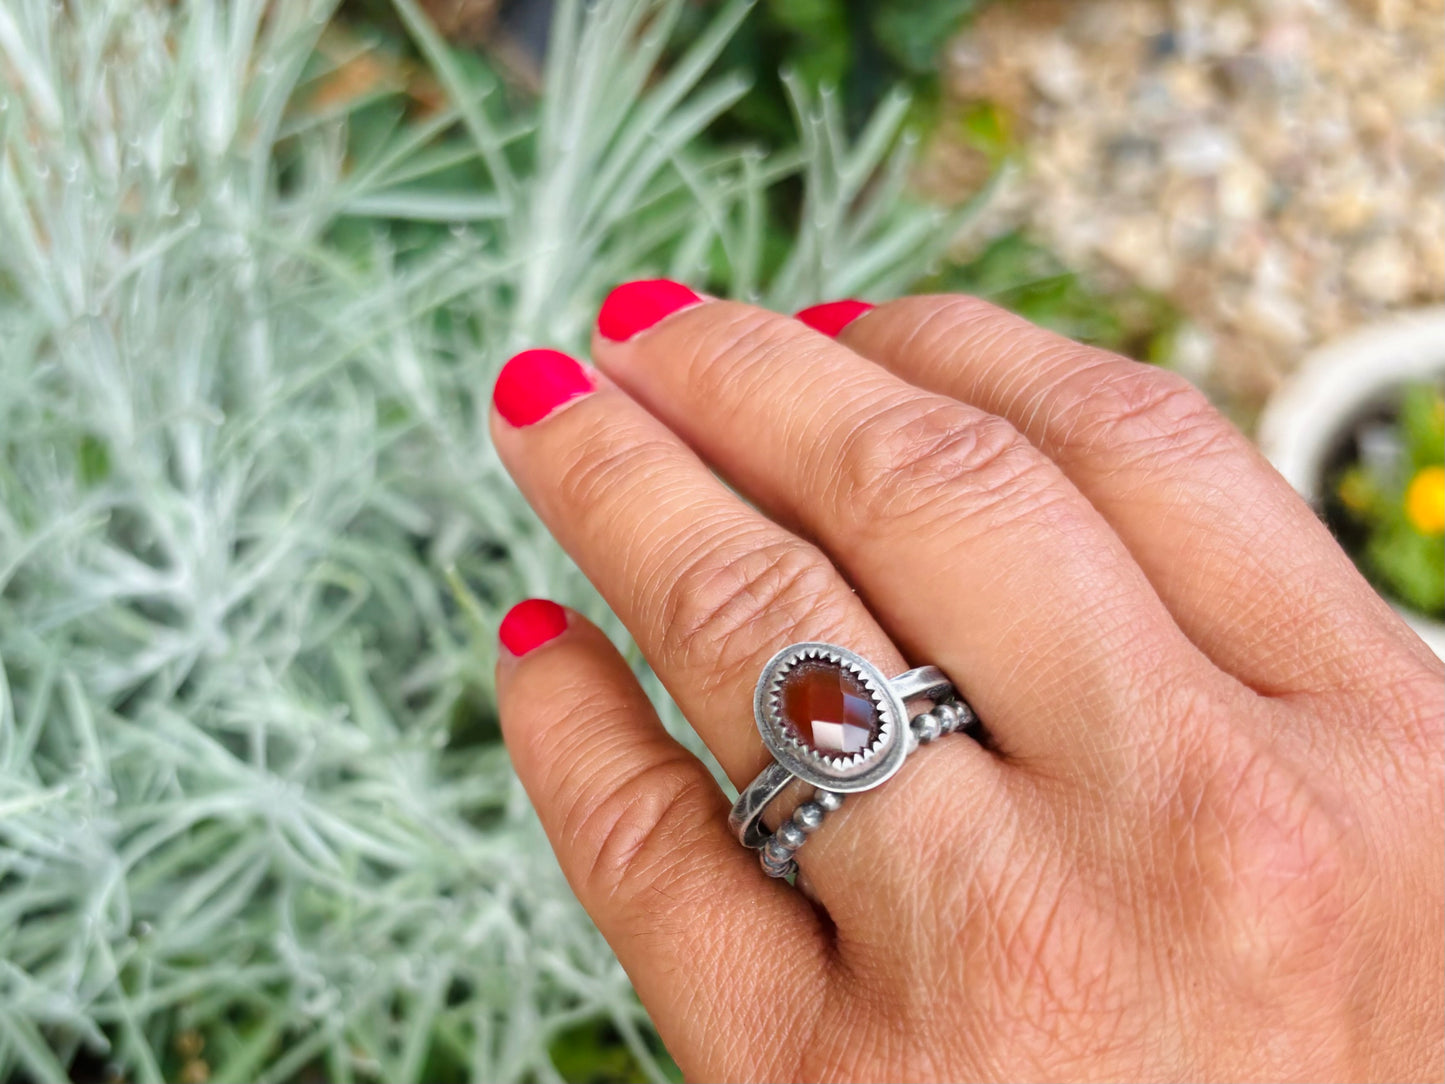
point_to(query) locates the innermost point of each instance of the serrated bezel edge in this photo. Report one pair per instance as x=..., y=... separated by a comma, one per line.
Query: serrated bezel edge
x=884, y=756
x=821, y=653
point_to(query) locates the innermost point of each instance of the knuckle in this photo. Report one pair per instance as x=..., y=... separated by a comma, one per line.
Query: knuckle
x=1278, y=866
x=610, y=460
x=720, y=608
x=1193, y=714
x=944, y=322
x=742, y=340
x=1189, y=715
x=923, y=455
x=1141, y=412
x=629, y=838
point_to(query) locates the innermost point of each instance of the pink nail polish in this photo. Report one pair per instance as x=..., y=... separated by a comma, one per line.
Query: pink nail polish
x=537, y=382
x=634, y=307
x=530, y=624
x=832, y=317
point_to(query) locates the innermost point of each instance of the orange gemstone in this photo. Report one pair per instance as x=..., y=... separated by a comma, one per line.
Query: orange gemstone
x=828, y=709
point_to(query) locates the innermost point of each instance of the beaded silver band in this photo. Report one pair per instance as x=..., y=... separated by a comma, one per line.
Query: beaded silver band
x=835, y=773
x=778, y=849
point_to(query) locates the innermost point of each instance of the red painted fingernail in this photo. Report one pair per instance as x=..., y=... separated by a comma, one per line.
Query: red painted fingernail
x=531, y=624
x=636, y=306
x=832, y=317
x=537, y=382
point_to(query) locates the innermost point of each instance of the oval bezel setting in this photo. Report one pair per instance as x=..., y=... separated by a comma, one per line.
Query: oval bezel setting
x=842, y=772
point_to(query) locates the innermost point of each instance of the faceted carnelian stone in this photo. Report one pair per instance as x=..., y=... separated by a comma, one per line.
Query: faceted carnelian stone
x=827, y=708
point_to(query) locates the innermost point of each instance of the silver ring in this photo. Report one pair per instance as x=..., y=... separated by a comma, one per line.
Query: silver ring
x=831, y=719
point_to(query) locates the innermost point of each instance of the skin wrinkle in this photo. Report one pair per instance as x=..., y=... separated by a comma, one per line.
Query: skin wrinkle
x=759, y=380
x=1038, y=521
x=648, y=816
x=1200, y=539
x=745, y=340
x=962, y=778
x=1069, y=969
x=954, y=319
x=1021, y=943
x=648, y=541
x=694, y=554
x=1136, y=414
x=902, y=459
x=962, y=856
x=1157, y=865
x=1099, y=696
x=973, y=878
x=714, y=603
x=611, y=457
x=1036, y=359
x=716, y=597
x=588, y=763
x=1417, y=703
x=832, y=1031
x=1292, y=638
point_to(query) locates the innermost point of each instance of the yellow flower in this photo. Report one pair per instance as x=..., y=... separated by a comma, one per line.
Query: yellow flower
x=1425, y=501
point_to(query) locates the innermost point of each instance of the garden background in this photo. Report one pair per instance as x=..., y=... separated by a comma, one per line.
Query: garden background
x=260, y=261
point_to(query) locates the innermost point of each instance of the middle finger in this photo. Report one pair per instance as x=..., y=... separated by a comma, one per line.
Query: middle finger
x=972, y=548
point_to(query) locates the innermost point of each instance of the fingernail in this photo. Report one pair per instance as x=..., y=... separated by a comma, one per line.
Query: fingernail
x=530, y=624
x=537, y=382
x=832, y=317
x=636, y=306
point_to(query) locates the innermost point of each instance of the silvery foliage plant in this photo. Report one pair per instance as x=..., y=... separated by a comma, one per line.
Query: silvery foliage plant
x=254, y=543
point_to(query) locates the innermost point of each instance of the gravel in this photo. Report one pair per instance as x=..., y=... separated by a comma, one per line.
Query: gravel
x=1275, y=168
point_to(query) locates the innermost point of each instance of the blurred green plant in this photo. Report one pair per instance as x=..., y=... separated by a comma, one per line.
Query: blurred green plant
x=594, y=1053
x=862, y=50
x=860, y=55
x=1393, y=494
x=1018, y=274
x=255, y=823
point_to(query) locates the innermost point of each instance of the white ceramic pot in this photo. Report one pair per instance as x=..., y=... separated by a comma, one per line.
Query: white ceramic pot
x=1307, y=417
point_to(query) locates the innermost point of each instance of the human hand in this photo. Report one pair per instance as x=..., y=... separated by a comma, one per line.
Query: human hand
x=1204, y=836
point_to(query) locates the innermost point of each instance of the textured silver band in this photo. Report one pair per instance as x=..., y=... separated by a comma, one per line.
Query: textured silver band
x=778, y=848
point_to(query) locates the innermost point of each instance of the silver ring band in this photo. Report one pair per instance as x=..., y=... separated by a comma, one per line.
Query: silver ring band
x=831, y=719
x=923, y=683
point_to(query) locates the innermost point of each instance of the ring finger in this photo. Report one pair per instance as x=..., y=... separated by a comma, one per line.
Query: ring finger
x=709, y=587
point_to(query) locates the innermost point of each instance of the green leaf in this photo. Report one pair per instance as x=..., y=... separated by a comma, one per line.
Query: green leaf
x=1422, y=423
x=986, y=127
x=421, y=205
x=594, y=1053
x=1029, y=279
x=93, y=460
x=1410, y=566
x=913, y=32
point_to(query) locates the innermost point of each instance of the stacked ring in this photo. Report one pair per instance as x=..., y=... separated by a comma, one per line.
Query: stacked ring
x=831, y=719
